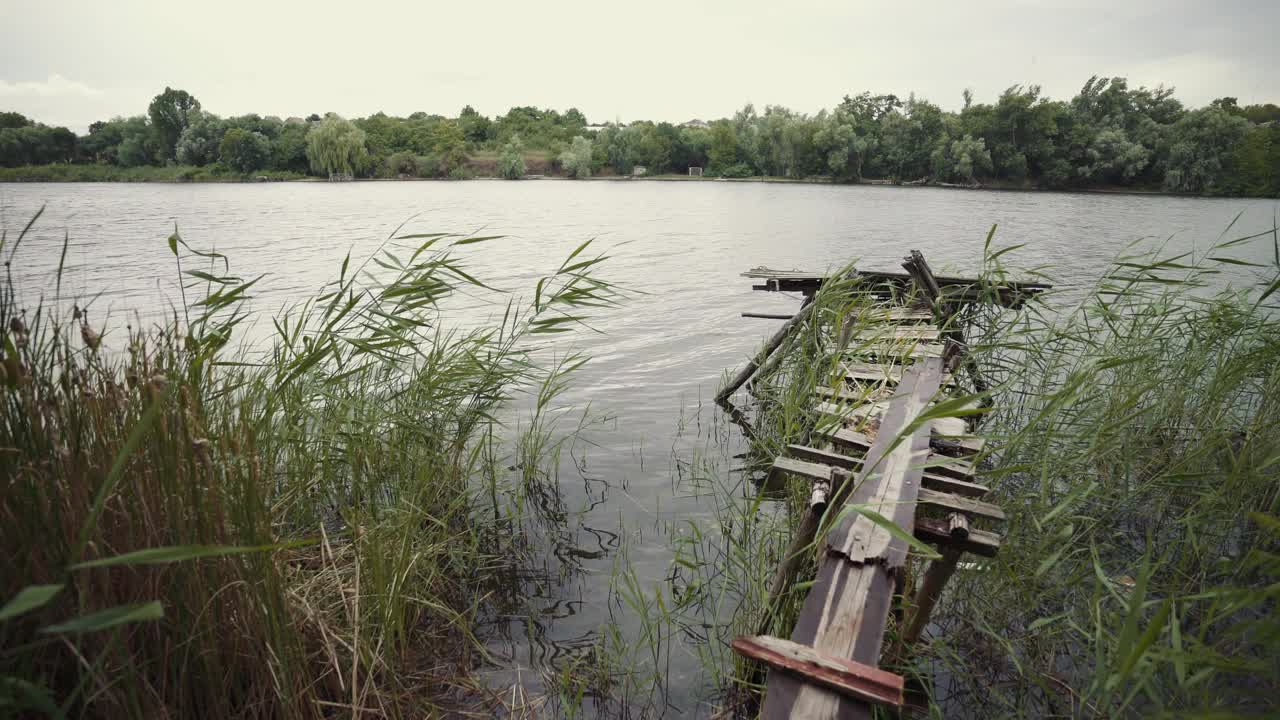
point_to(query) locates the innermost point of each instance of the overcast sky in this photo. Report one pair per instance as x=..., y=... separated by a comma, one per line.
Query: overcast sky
x=69, y=62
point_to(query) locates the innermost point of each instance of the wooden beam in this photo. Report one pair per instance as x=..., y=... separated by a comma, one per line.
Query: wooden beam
x=968, y=506
x=831, y=459
x=770, y=345
x=768, y=316
x=955, y=289
x=900, y=333
x=850, y=678
x=979, y=542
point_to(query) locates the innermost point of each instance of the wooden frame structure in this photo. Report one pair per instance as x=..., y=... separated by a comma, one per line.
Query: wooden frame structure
x=880, y=455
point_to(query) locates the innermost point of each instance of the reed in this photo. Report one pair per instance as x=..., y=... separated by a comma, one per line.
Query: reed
x=195, y=528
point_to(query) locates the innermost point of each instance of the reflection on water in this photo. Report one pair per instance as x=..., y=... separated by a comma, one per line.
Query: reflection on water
x=623, y=485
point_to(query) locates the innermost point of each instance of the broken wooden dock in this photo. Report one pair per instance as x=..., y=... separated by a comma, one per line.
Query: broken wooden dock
x=881, y=443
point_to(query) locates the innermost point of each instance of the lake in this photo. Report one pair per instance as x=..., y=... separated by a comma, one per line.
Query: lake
x=656, y=361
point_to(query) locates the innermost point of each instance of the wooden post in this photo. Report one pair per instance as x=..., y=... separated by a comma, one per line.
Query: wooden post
x=935, y=579
x=745, y=373
x=800, y=547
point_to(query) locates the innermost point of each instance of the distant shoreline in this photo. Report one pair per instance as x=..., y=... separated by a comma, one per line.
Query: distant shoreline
x=39, y=175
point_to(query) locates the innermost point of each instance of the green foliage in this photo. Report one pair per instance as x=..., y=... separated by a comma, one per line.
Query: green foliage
x=511, y=163
x=722, y=146
x=1108, y=135
x=961, y=160
x=401, y=163
x=35, y=144
x=289, y=150
x=576, y=159
x=170, y=113
x=244, y=151
x=199, y=142
x=1198, y=149
x=335, y=146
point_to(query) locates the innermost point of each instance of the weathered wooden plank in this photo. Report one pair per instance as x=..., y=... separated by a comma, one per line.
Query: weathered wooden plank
x=969, y=506
x=937, y=463
x=956, y=446
x=936, y=530
x=770, y=345
x=854, y=679
x=899, y=333
x=932, y=481
x=897, y=350
x=896, y=314
x=955, y=289
x=853, y=396
x=889, y=373
x=952, y=429
x=768, y=316
x=846, y=609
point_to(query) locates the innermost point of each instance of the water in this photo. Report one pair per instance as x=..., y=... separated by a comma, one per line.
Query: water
x=656, y=360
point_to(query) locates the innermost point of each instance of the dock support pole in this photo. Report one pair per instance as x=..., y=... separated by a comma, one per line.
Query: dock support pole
x=935, y=579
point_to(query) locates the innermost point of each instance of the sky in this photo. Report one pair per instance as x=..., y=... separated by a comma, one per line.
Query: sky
x=71, y=62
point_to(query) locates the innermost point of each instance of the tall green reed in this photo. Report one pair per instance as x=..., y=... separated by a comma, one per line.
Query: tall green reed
x=304, y=530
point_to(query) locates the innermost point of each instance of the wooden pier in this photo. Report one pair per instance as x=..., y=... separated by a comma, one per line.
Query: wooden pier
x=884, y=448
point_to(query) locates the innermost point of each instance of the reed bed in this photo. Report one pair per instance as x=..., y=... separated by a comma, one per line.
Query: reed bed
x=193, y=528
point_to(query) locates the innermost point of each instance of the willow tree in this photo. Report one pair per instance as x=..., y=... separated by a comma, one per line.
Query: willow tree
x=576, y=159
x=335, y=146
x=511, y=163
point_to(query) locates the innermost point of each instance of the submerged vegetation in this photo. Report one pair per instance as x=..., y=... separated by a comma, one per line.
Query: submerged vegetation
x=305, y=530
x=1134, y=442
x=1108, y=135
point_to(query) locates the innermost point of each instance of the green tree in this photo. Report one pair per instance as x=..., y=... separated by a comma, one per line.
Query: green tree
x=475, y=127
x=511, y=163
x=839, y=141
x=722, y=150
x=198, y=144
x=244, y=151
x=1258, y=114
x=138, y=144
x=1199, y=147
x=336, y=146
x=449, y=146
x=289, y=151
x=576, y=159
x=10, y=120
x=961, y=160
x=171, y=112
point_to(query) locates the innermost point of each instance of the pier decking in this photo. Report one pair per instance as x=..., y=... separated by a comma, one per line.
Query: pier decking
x=892, y=444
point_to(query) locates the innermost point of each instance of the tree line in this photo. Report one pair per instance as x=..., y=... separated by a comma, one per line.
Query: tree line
x=1107, y=135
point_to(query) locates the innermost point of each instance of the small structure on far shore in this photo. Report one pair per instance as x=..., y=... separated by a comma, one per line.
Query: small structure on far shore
x=639, y=171
x=695, y=171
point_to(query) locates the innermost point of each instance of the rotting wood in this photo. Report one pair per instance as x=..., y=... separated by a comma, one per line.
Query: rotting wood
x=900, y=333
x=938, y=531
x=820, y=458
x=861, y=566
x=955, y=289
x=768, y=316
x=772, y=344
x=935, y=579
x=952, y=429
x=969, y=506
x=854, y=679
x=847, y=607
